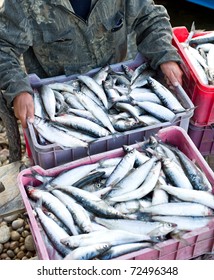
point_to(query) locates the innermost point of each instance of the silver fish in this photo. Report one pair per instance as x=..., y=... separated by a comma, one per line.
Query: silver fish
x=79, y=214
x=95, y=87
x=179, y=209
x=91, y=202
x=113, y=237
x=53, y=204
x=54, y=232
x=202, y=197
x=166, y=96
x=186, y=223
x=54, y=135
x=88, y=252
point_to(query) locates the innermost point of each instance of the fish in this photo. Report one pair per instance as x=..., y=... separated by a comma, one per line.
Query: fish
x=156, y=110
x=119, y=250
x=166, y=96
x=79, y=214
x=185, y=223
x=121, y=169
x=137, y=226
x=88, y=252
x=54, y=232
x=179, y=209
x=202, y=197
x=95, y=87
x=49, y=100
x=71, y=176
x=112, y=237
x=54, y=205
x=91, y=202
x=54, y=135
x=83, y=124
x=146, y=187
x=133, y=179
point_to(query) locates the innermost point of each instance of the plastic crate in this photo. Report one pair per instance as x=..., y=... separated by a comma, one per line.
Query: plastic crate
x=51, y=155
x=201, y=95
x=198, y=242
x=203, y=138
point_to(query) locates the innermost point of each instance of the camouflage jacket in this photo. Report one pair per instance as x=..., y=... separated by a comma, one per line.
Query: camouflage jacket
x=54, y=41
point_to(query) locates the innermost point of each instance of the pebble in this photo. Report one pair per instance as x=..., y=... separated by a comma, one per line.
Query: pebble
x=29, y=243
x=17, y=223
x=4, y=234
x=16, y=241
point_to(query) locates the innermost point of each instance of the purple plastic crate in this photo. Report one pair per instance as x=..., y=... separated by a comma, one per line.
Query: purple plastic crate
x=203, y=138
x=51, y=155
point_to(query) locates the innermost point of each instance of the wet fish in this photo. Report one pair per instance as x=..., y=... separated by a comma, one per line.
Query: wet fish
x=88, y=252
x=54, y=232
x=54, y=205
x=112, y=237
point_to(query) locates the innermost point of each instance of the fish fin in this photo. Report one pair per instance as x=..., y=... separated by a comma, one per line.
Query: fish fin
x=178, y=236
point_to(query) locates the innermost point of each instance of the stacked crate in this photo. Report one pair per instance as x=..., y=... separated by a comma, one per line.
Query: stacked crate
x=201, y=128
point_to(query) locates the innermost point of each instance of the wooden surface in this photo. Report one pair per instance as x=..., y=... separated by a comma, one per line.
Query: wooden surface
x=10, y=197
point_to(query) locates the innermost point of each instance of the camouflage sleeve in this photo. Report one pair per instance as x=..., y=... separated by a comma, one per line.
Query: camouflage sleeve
x=15, y=38
x=153, y=31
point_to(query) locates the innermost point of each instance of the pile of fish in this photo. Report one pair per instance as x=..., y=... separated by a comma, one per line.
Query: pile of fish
x=200, y=52
x=75, y=113
x=121, y=204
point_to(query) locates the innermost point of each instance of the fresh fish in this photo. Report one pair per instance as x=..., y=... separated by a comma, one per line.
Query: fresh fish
x=91, y=202
x=146, y=187
x=179, y=209
x=83, y=124
x=137, y=226
x=133, y=179
x=49, y=100
x=96, y=111
x=95, y=87
x=205, y=38
x=54, y=205
x=112, y=237
x=121, y=169
x=54, y=135
x=158, y=111
x=175, y=174
x=132, y=206
x=166, y=96
x=54, y=232
x=197, y=66
x=186, y=223
x=71, y=176
x=119, y=250
x=101, y=74
x=88, y=252
x=63, y=87
x=79, y=214
x=202, y=197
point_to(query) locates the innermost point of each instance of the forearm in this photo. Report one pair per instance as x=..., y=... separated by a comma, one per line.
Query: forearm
x=154, y=34
x=13, y=79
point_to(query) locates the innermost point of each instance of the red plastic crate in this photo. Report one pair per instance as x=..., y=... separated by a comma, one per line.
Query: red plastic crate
x=203, y=138
x=199, y=242
x=51, y=155
x=201, y=95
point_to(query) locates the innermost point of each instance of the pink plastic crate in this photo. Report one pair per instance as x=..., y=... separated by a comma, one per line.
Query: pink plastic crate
x=203, y=138
x=201, y=95
x=199, y=241
x=51, y=155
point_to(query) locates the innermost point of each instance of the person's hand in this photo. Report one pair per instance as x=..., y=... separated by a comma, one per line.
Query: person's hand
x=24, y=108
x=172, y=73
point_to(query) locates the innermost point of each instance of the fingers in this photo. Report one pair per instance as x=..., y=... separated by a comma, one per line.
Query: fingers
x=24, y=108
x=172, y=74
